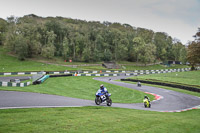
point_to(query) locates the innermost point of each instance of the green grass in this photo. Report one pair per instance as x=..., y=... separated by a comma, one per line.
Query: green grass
x=190, y=77
x=154, y=67
x=90, y=119
x=168, y=88
x=83, y=88
x=97, y=119
x=12, y=64
x=91, y=68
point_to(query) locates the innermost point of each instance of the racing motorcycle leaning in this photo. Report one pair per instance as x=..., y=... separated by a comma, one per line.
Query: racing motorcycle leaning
x=103, y=98
x=147, y=103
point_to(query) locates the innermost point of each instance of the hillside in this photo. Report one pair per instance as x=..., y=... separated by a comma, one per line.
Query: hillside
x=80, y=40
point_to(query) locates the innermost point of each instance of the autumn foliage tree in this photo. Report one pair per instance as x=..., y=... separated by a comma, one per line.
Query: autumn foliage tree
x=194, y=50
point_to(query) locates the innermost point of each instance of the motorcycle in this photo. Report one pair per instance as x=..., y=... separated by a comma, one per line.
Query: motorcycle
x=103, y=98
x=147, y=104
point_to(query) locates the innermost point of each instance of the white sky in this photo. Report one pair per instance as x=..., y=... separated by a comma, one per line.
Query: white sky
x=179, y=18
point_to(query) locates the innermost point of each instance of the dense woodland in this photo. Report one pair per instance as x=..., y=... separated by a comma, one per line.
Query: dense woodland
x=31, y=36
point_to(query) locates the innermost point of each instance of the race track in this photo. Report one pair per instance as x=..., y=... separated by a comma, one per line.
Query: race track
x=170, y=100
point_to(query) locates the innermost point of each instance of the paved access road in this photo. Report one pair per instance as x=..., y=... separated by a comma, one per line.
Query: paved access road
x=172, y=101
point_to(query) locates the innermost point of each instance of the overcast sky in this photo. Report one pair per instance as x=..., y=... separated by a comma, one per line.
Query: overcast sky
x=178, y=18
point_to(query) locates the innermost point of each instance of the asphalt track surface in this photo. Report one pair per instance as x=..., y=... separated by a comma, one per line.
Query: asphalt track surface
x=170, y=100
x=7, y=79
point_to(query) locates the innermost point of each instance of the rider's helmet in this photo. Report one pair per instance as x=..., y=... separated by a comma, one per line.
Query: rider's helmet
x=102, y=86
x=145, y=97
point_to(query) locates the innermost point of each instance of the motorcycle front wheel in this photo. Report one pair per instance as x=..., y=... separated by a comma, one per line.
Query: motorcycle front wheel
x=97, y=100
x=109, y=102
x=145, y=105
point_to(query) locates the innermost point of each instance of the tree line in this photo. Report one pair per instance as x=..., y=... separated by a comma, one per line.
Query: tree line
x=88, y=41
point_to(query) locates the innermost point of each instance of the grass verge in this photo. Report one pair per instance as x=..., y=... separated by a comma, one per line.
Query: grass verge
x=97, y=119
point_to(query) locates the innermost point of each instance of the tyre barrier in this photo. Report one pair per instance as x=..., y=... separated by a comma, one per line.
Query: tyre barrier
x=41, y=80
x=10, y=84
x=64, y=75
x=189, y=88
x=45, y=77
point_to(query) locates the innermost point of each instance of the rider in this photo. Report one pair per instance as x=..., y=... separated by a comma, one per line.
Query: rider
x=103, y=90
x=146, y=97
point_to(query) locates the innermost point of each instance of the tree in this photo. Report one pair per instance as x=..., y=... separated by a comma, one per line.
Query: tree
x=82, y=40
x=86, y=54
x=193, y=55
x=66, y=51
x=21, y=47
x=160, y=40
x=107, y=55
x=197, y=36
x=183, y=55
x=176, y=49
x=49, y=49
x=138, y=47
x=116, y=36
x=145, y=34
x=149, y=55
x=123, y=49
x=3, y=29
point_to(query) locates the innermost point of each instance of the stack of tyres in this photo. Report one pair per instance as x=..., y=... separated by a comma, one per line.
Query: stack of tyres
x=41, y=80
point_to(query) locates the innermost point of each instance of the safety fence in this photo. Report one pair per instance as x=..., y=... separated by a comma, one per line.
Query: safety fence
x=15, y=84
x=157, y=71
x=108, y=75
x=99, y=72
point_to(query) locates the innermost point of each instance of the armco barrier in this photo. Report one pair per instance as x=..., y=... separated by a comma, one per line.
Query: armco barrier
x=10, y=84
x=189, y=88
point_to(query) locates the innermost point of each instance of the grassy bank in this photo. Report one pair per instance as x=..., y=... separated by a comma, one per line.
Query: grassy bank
x=97, y=119
x=10, y=63
x=154, y=67
x=191, y=77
